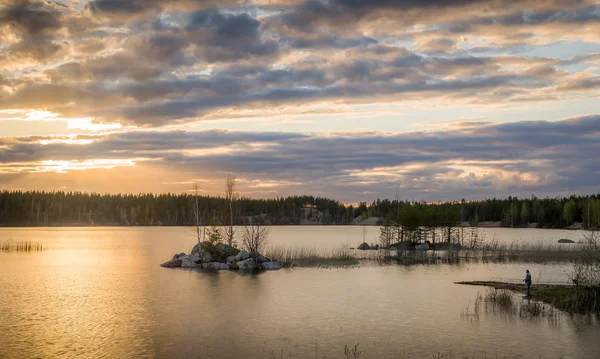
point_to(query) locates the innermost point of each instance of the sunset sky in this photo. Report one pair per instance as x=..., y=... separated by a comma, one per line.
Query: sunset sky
x=349, y=99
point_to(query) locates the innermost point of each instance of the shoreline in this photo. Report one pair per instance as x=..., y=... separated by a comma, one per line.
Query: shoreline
x=568, y=298
x=268, y=225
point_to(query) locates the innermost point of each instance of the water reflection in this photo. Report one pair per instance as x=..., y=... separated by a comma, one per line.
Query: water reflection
x=100, y=293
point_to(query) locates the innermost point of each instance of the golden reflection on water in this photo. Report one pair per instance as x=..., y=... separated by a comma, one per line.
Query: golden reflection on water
x=100, y=293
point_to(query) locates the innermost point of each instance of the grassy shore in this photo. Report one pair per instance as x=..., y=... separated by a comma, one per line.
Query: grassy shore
x=568, y=298
x=290, y=257
x=21, y=246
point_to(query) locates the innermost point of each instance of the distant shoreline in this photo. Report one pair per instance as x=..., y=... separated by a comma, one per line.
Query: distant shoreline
x=269, y=225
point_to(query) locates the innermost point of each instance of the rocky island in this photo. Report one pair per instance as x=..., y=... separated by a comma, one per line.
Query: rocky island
x=205, y=255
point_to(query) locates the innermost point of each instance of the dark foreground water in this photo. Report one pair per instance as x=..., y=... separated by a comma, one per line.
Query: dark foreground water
x=100, y=293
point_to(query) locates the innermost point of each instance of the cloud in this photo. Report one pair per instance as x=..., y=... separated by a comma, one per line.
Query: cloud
x=479, y=159
x=146, y=65
x=155, y=63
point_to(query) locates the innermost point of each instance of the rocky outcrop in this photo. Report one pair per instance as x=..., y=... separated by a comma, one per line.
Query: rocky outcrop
x=196, y=248
x=242, y=255
x=178, y=255
x=271, y=265
x=369, y=221
x=564, y=240
x=221, y=257
x=173, y=263
x=422, y=246
x=576, y=225
x=364, y=246
x=215, y=266
x=206, y=257
x=246, y=264
x=222, y=251
x=190, y=261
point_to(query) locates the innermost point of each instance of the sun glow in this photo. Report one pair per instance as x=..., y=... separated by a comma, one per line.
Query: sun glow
x=64, y=166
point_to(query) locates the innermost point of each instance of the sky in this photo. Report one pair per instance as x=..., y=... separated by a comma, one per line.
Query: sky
x=353, y=100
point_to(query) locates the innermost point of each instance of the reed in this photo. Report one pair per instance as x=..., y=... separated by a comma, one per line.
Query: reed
x=569, y=298
x=309, y=256
x=503, y=298
x=524, y=251
x=21, y=246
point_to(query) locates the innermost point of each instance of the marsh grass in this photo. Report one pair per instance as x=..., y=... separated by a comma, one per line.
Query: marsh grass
x=568, y=298
x=502, y=298
x=523, y=251
x=290, y=257
x=21, y=246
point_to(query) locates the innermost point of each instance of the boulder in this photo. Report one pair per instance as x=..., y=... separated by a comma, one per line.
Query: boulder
x=206, y=257
x=271, y=266
x=230, y=259
x=176, y=256
x=363, y=246
x=173, y=263
x=246, y=264
x=206, y=246
x=196, y=248
x=242, y=256
x=222, y=251
x=188, y=262
x=422, y=246
x=215, y=266
x=564, y=240
x=259, y=257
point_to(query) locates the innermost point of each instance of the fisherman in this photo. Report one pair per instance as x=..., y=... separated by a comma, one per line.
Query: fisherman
x=527, y=281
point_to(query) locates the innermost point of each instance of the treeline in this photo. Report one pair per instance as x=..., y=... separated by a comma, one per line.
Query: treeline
x=38, y=208
x=510, y=212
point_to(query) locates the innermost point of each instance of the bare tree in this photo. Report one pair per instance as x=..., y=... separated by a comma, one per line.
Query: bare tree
x=255, y=237
x=231, y=196
x=586, y=271
x=200, y=234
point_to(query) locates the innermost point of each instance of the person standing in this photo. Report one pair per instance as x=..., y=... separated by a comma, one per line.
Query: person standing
x=527, y=281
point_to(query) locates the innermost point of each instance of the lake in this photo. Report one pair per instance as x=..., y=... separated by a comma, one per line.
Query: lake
x=100, y=293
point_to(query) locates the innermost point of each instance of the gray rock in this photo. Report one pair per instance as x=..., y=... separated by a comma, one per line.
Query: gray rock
x=187, y=262
x=363, y=246
x=173, y=263
x=422, y=246
x=246, y=264
x=259, y=257
x=242, y=256
x=231, y=259
x=206, y=257
x=206, y=246
x=215, y=266
x=271, y=266
x=176, y=256
x=196, y=248
x=224, y=250
x=564, y=240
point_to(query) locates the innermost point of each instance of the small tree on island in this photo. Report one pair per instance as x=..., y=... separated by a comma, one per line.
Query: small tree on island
x=200, y=233
x=213, y=232
x=230, y=196
x=255, y=237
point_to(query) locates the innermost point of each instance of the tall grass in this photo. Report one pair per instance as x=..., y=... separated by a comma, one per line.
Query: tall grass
x=503, y=298
x=528, y=251
x=309, y=256
x=21, y=246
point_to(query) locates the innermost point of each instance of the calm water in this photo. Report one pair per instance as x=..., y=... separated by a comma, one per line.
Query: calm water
x=99, y=292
